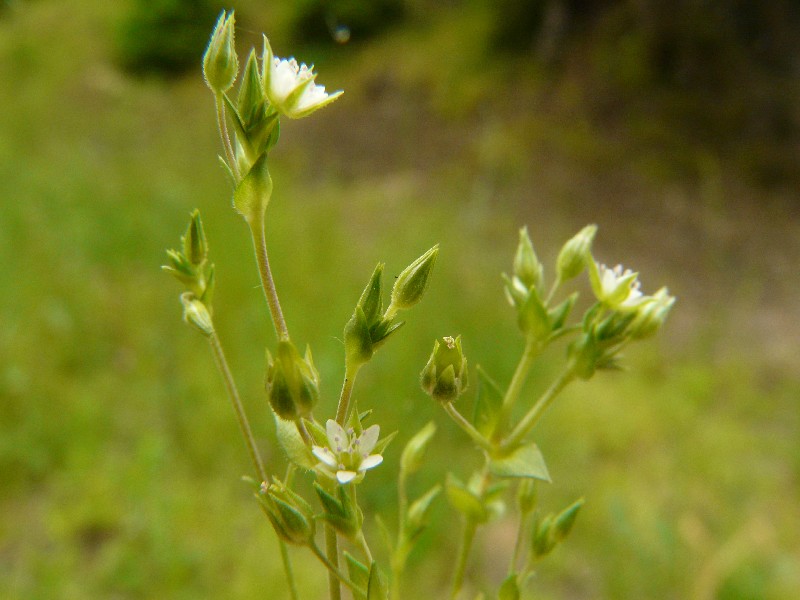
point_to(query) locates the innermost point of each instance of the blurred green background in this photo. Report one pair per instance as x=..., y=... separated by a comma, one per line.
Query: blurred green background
x=675, y=127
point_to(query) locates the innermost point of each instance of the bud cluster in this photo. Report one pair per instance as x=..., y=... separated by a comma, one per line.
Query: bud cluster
x=190, y=266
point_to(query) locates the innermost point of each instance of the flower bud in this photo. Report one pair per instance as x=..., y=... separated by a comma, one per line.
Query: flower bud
x=413, y=281
x=526, y=265
x=195, y=245
x=197, y=314
x=444, y=378
x=220, y=63
x=651, y=315
x=411, y=459
x=564, y=521
x=292, y=382
x=290, y=515
x=574, y=254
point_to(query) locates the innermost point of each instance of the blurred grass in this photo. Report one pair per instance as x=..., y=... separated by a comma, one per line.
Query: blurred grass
x=119, y=456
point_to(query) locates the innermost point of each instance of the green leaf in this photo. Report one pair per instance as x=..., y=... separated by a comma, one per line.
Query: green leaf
x=376, y=589
x=509, y=590
x=488, y=400
x=382, y=443
x=251, y=196
x=418, y=512
x=291, y=442
x=359, y=574
x=525, y=461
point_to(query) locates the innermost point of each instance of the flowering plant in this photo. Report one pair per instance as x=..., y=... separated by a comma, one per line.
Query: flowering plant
x=336, y=456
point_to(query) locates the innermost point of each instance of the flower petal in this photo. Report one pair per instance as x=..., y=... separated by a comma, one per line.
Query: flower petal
x=325, y=455
x=345, y=476
x=373, y=460
x=337, y=436
x=368, y=439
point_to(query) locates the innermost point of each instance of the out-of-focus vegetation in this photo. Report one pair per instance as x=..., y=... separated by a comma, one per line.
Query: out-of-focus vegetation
x=119, y=455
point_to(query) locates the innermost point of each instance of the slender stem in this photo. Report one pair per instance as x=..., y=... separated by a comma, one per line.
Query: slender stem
x=247, y=433
x=333, y=570
x=343, y=408
x=222, y=125
x=552, y=291
x=267, y=283
x=532, y=350
x=537, y=410
x=463, y=553
x=332, y=562
x=233, y=393
x=287, y=568
x=462, y=422
x=303, y=431
x=512, y=567
x=399, y=553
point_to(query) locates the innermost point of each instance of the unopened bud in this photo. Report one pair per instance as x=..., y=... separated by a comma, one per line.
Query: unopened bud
x=292, y=382
x=197, y=314
x=290, y=515
x=651, y=315
x=413, y=281
x=564, y=521
x=526, y=265
x=220, y=63
x=445, y=376
x=574, y=254
x=411, y=459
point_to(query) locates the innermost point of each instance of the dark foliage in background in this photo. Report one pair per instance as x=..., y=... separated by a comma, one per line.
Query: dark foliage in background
x=165, y=37
x=324, y=21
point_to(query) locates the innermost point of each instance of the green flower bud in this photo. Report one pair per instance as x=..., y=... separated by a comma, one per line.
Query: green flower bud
x=651, y=315
x=220, y=63
x=197, y=314
x=292, y=382
x=564, y=521
x=575, y=253
x=413, y=281
x=190, y=266
x=195, y=245
x=290, y=515
x=542, y=541
x=417, y=515
x=255, y=123
x=411, y=459
x=526, y=265
x=444, y=378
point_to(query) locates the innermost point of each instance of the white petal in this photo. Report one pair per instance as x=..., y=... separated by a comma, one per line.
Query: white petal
x=345, y=476
x=325, y=455
x=371, y=461
x=337, y=436
x=369, y=438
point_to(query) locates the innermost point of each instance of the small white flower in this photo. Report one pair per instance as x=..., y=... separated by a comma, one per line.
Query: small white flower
x=290, y=86
x=347, y=455
x=618, y=288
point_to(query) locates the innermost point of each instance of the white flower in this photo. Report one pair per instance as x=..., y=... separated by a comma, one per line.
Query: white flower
x=290, y=86
x=617, y=288
x=347, y=455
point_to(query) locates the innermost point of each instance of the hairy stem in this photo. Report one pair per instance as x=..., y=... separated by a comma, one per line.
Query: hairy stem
x=238, y=408
x=532, y=350
x=331, y=561
x=462, y=422
x=537, y=410
x=222, y=125
x=267, y=283
x=347, y=390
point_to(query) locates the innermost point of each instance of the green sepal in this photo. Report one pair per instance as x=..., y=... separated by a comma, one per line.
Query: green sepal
x=411, y=458
x=542, y=541
x=357, y=341
x=382, y=443
x=416, y=517
x=227, y=168
x=464, y=501
x=338, y=511
x=359, y=575
x=371, y=301
x=293, y=445
x=524, y=461
x=381, y=331
x=510, y=589
x=317, y=431
x=558, y=316
x=251, y=196
x=488, y=401
x=376, y=588
x=532, y=316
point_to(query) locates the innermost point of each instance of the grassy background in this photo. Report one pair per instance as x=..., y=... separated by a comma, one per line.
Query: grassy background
x=119, y=455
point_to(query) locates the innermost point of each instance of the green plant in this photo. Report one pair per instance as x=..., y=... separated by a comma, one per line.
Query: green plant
x=336, y=454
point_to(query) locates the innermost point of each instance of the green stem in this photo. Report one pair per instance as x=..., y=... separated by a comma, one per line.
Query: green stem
x=463, y=552
x=223, y=133
x=462, y=422
x=287, y=568
x=343, y=408
x=552, y=291
x=267, y=283
x=532, y=350
x=537, y=410
x=512, y=567
x=332, y=562
x=334, y=572
x=238, y=408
